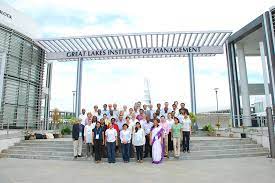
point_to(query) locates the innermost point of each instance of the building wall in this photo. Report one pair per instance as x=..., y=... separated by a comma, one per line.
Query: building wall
x=22, y=83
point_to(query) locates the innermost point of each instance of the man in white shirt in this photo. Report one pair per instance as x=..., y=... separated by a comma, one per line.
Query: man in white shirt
x=186, y=130
x=120, y=122
x=105, y=111
x=125, y=112
x=111, y=142
x=147, y=128
x=175, y=109
x=151, y=112
x=95, y=111
x=115, y=111
x=83, y=116
x=180, y=116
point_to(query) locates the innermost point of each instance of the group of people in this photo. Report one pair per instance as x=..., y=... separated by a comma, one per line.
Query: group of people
x=140, y=129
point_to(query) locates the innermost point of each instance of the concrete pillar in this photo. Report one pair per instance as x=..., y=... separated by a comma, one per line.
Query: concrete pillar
x=78, y=86
x=192, y=84
x=243, y=84
x=48, y=95
x=265, y=75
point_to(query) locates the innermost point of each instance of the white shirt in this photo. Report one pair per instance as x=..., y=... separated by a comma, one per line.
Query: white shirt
x=186, y=124
x=88, y=133
x=82, y=118
x=170, y=123
x=147, y=127
x=111, y=135
x=125, y=135
x=131, y=126
x=120, y=124
x=139, y=137
x=180, y=117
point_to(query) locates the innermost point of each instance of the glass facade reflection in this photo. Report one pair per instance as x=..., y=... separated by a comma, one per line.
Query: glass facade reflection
x=22, y=80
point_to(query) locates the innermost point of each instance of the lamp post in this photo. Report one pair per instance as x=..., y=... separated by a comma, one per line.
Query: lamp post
x=74, y=92
x=217, y=101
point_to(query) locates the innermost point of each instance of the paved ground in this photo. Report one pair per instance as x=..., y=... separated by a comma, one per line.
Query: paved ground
x=242, y=170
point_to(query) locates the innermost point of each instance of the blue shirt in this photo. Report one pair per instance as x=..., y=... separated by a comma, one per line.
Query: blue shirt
x=98, y=133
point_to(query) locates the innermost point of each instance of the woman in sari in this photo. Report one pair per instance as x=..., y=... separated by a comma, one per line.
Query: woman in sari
x=156, y=141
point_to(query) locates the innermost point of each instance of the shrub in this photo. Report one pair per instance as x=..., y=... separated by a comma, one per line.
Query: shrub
x=66, y=130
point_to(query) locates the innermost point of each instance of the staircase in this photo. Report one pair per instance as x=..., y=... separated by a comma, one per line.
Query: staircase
x=201, y=148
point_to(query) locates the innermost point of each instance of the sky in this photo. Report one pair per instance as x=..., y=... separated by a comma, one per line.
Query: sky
x=122, y=81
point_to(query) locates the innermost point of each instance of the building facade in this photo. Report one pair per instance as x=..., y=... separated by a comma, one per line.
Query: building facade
x=21, y=75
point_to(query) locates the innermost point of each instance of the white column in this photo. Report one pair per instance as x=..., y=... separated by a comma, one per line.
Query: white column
x=192, y=84
x=48, y=95
x=78, y=87
x=265, y=75
x=243, y=84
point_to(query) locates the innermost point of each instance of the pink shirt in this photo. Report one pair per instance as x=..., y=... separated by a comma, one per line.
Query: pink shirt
x=165, y=127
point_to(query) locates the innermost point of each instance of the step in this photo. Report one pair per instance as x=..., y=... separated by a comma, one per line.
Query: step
x=200, y=152
x=192, y=146
x=220, y=156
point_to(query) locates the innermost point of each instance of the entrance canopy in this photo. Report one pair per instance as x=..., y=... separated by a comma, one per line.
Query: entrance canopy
x=135, y=45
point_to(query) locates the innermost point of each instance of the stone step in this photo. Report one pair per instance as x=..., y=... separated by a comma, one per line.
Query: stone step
x=215, y=140
x=201, y=152
x=201, y=143
x=187, y=157
x=69, y=148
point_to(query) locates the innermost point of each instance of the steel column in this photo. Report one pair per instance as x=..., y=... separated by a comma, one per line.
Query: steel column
x=78, y=86
x=192, y=84
x=48, y=96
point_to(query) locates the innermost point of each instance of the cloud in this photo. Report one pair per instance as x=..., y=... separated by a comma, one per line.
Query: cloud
x=121, y=81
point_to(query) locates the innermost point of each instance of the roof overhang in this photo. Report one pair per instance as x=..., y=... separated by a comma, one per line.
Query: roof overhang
x=135, y=45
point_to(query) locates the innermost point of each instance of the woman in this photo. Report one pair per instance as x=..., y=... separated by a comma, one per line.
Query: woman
x=125, y=139
x=176, y=134
x=139, y=141
x=156, y=141
x=170, y=122
x=98, y=141
x=88, y=138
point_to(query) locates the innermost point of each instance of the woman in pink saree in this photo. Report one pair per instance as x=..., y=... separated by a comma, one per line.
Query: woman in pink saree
x=156, y=140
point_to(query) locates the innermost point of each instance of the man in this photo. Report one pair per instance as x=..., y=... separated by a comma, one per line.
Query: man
x=182, y=106
x=105, y=111
x=166, y=129
x=78, y=138
x=180, y=116
x=88, y=138
x=147, y=129
x=151, y=112
x=158, y=107
x=120, y=122
x=111, y=141
x=95, y=112
x=186, y=130
x=165, y=110
x=112, y=115
x=140, y=116
x=136, y=110
x=131, y=111
x=83, y=117
x=175, y=109
x=110, y=108
x=99, y=114
x=125, y=112
x=115, y=111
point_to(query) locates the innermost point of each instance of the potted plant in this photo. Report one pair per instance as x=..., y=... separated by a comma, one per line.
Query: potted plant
x=56, y=119
x=193, y=119
x=230, y=130
x=27, y=135
x=66, y=130
x=209, y=129
x=243, y=134
x=218, y=125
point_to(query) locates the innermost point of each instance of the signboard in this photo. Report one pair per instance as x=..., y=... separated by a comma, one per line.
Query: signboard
x=16, y=20
x=105, y=53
